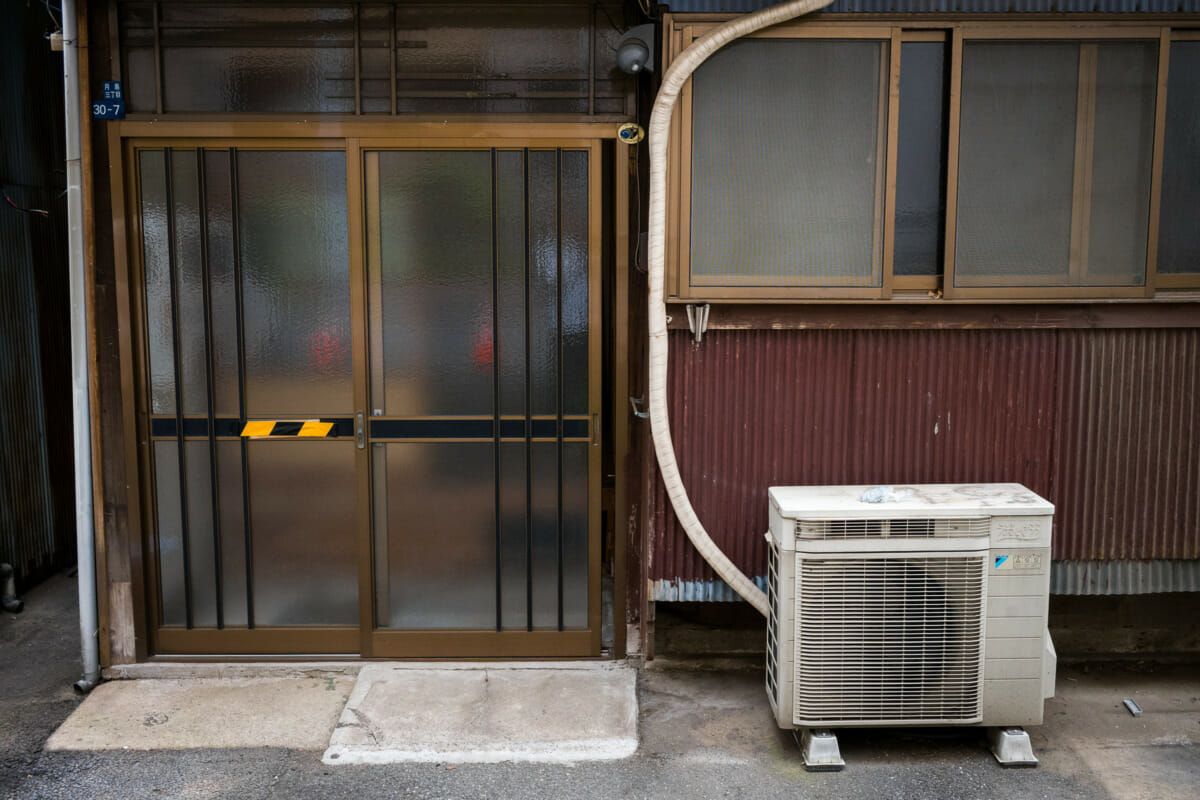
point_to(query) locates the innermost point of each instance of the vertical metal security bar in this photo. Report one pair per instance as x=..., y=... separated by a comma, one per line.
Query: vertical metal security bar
x=158, y=70
x=558, y=372
x=496, y=397
x=392, y=52
x=592, y=63
x=210, y=394
x=172, y=271
x=239, y=311
x=528, y=407
x=357, y=59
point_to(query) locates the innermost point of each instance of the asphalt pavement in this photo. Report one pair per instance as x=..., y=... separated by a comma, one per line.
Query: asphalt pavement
x=705, y=731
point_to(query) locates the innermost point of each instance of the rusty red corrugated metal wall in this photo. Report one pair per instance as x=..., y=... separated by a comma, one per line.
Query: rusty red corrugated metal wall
x=1103, y=423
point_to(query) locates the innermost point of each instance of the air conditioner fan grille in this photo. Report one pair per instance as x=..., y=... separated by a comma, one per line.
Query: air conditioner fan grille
x=773, y=620
x=882, y=639
x=917, y=528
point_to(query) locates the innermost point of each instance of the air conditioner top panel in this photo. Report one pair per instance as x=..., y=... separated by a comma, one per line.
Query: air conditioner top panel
x=923, y=500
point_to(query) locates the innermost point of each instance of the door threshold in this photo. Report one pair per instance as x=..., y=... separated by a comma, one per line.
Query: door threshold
x=190, y=667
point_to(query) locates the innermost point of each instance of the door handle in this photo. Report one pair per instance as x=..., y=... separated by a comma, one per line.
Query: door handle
x=595, y=430
x=360, y=433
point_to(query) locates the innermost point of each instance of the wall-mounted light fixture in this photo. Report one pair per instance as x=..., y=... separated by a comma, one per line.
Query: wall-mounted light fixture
x=635, y=49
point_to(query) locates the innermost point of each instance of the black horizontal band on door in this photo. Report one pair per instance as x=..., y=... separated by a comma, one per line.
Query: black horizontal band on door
x=474, y=428
x=164, y=427
x=231, y=427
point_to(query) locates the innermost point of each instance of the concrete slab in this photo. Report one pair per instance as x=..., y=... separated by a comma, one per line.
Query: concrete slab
x=167, y=714
x=488, y=714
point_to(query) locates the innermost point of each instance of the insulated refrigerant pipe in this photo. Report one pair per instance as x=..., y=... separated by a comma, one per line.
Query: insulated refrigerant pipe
x=85, y=542
x=660, y=429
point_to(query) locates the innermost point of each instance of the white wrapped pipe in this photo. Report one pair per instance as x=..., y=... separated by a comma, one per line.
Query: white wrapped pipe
x=658, y=135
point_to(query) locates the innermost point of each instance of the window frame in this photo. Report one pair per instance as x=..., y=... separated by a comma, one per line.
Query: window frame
x=679, y=31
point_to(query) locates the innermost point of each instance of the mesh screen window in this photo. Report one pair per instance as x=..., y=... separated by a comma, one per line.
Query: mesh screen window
x=787, y=164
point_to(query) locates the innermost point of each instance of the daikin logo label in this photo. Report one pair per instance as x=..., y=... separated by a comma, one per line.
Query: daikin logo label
x=1000, y=560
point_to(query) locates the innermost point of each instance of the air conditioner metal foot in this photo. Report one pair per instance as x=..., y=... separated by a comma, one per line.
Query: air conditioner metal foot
x=1011, y=747
x=819, y=749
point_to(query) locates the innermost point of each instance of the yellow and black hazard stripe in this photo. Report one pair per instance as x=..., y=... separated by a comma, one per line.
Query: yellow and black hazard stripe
x=309, y=428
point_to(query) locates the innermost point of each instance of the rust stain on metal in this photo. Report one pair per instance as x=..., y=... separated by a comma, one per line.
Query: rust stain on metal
x=1104, y=424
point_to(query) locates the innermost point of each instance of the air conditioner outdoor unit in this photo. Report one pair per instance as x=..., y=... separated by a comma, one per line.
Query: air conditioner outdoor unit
x=924, y=607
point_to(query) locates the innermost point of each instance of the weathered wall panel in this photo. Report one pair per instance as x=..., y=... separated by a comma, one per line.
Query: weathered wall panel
x=1103, y=423
x=36, y=519
x=1127, y=471
x=957, y=6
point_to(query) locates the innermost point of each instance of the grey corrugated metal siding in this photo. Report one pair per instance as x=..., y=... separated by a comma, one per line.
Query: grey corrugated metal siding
x=36, y=528
x=956, y=6
x=1124, y=577
x=1104, y=423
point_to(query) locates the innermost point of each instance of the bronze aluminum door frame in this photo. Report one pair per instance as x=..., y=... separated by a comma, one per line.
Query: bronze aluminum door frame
x=495, y=643
x=126, y=140
x=198, y=640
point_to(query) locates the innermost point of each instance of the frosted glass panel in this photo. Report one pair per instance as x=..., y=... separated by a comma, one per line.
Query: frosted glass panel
x=436, y=262
x=201, y=547
x=157, y=266
x=189, y=280
x=920, y=160
x=219, y=223
x=266, y=59
x=545, y=535
x=233, y=537
x=1016, y=161
x=1019, y=169
x=574, y=224
x=574, y=534
x=510, y=277
x=787, y=153
x=302, y=518
x=441, y=535
x=505, y=57
x=170, y=533
x=1122, y=147
x=296, y=283
x=543, y=281
x=1179, y=233
x=513, y=536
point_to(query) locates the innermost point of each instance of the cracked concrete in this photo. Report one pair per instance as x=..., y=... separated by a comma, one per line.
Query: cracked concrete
x=464, y=714
x=170, y=714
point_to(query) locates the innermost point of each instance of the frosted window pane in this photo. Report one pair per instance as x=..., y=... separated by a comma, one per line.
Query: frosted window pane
x=786, y=164
x=435, y=222
x=1121, y=153
x=1016, y=162
x=302, y=517
x=1179, y=233
x=441, y=535
x=296, y=282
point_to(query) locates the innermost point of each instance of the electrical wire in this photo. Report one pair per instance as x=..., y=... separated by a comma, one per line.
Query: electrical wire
x=50, y=11
x=41, y=212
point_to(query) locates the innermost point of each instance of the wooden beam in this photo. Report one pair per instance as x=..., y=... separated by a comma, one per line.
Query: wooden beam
x=945, y=316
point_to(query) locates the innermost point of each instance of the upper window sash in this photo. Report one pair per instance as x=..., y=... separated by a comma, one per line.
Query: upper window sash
x=1099, y=189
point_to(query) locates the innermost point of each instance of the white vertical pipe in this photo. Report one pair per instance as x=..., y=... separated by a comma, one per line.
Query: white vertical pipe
x=81, y=414
x=658, y=136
